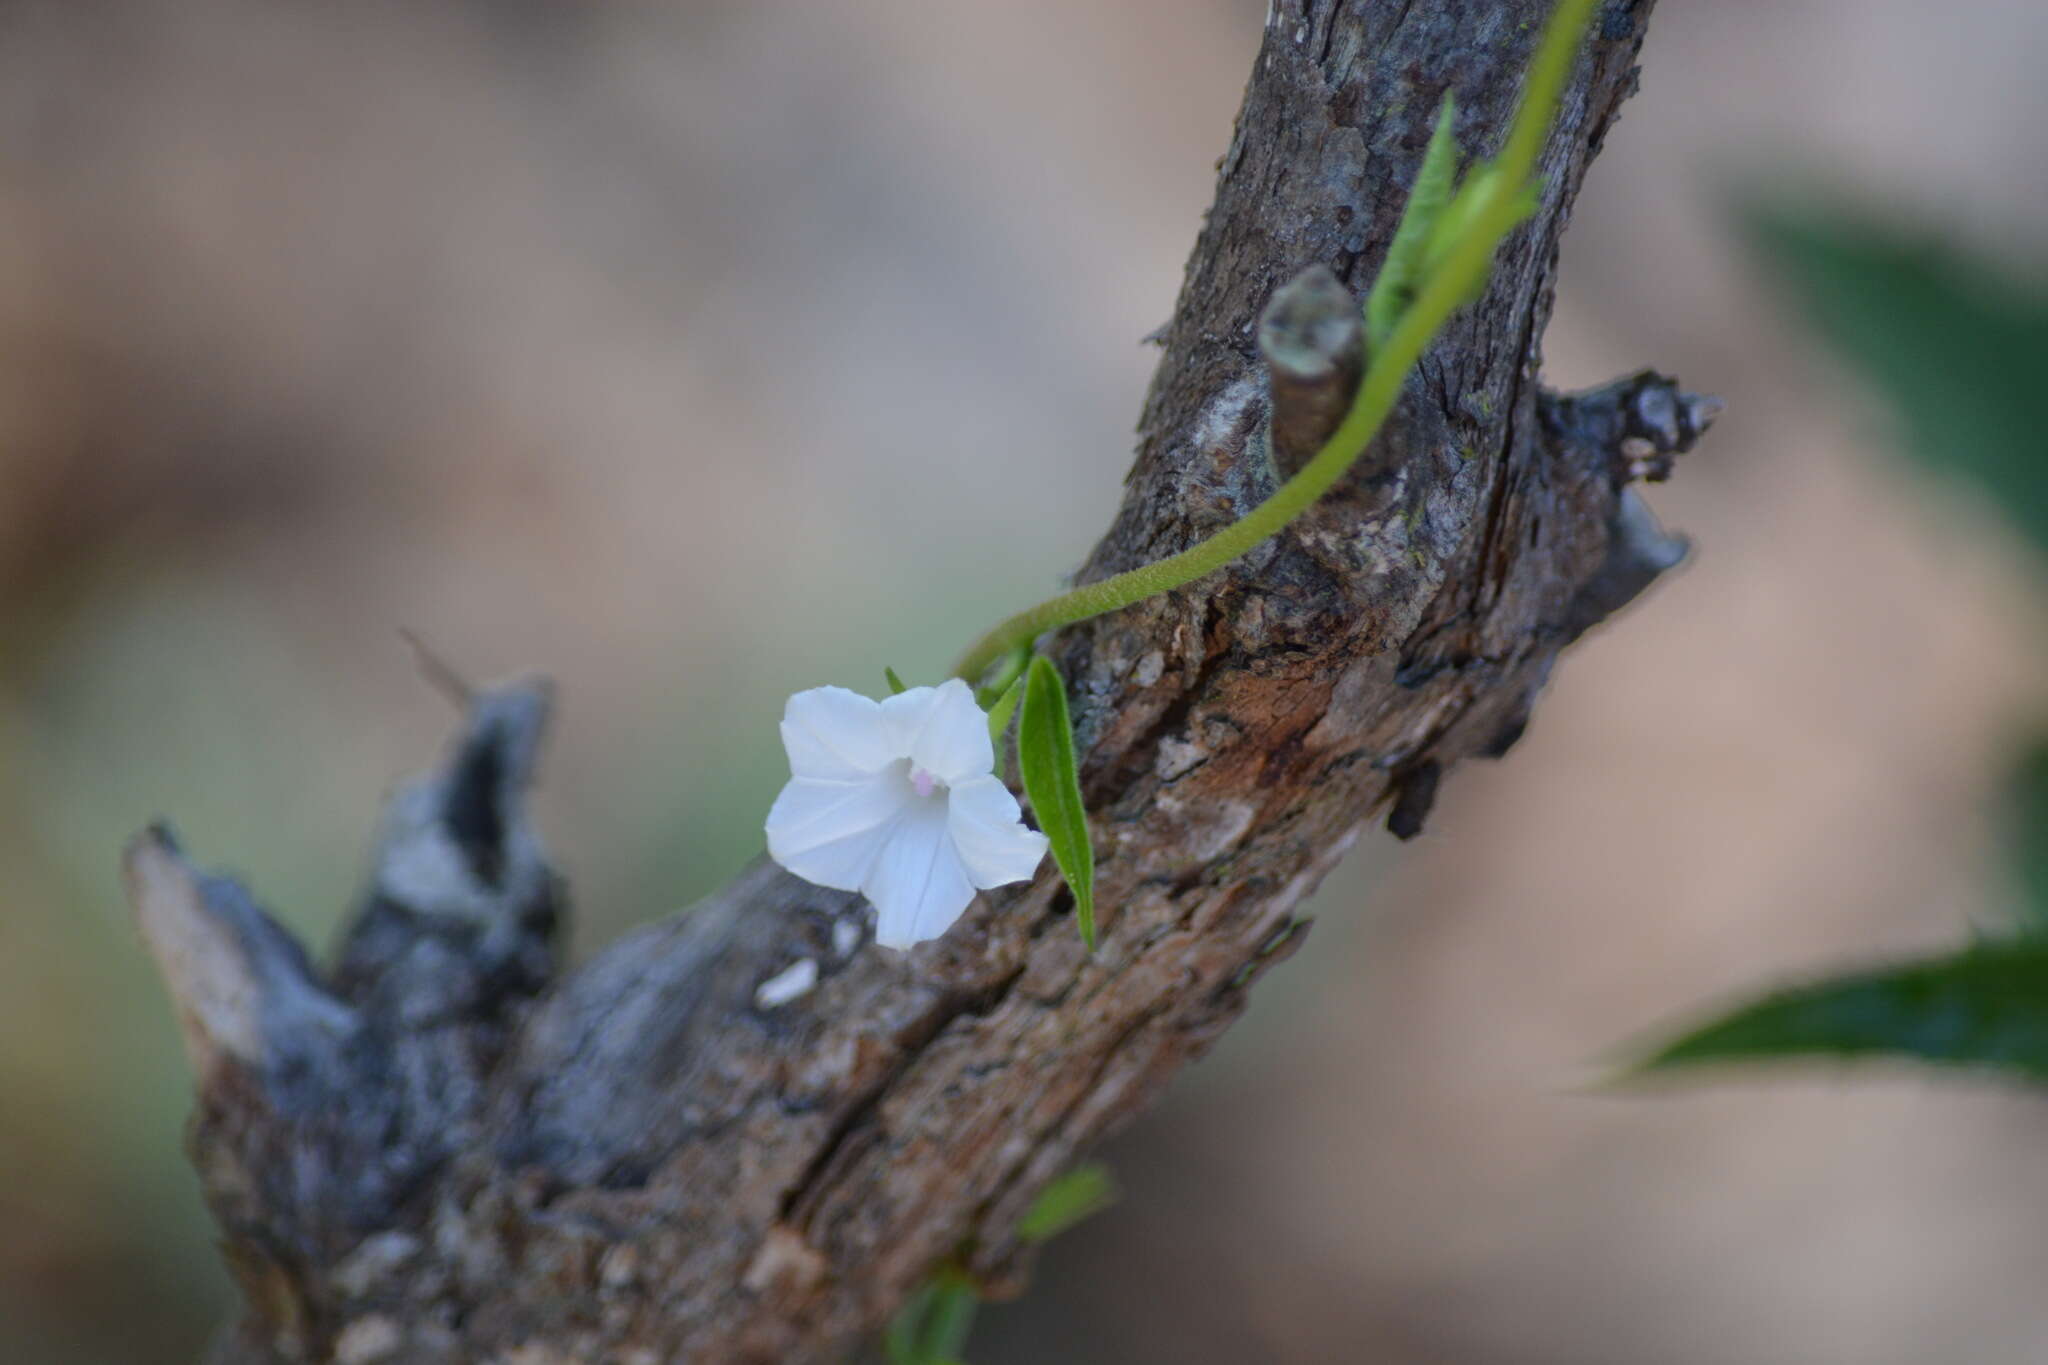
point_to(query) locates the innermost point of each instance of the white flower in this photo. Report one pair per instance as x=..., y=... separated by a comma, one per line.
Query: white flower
x=894, y=799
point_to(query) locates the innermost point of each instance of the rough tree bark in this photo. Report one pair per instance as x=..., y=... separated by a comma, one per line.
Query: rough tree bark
x=438, y=1150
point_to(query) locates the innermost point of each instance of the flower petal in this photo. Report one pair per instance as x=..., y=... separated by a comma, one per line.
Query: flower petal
x=942, y=730
x=918, y=885
x=830, y=832
x=903, y=715
x=836, y=734
x=987, y=829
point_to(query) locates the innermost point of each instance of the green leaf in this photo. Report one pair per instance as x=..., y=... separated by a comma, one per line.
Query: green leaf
x=896, y=687
x=1402, y=273
x=932, y=1326
x=999, y=714
x=1481, y=188
x=1045, y=756
x=1081, y=1193
x=990, y=692
x=1986, y=1007
x=2026, y=835
x=1956, y=347
x=952, y=1318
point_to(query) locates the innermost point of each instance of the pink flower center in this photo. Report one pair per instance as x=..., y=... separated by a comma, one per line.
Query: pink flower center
x=922, y=782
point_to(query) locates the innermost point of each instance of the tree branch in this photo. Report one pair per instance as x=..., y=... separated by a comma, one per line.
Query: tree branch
x=439, y=1152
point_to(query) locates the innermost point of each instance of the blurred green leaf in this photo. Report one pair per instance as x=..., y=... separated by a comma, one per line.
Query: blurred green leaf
x=1003, y=678
x=1079, y=1194
x=932, y=1326
x=1956, y=347
x=2026, y=834
x=1482, y=186
x=999, y=714
x=1401, y=274
x=1045, y=757
x=896, y=687
x=1986, y=1007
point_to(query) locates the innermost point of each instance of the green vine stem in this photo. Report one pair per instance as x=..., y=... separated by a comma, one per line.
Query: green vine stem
x=1501, y=200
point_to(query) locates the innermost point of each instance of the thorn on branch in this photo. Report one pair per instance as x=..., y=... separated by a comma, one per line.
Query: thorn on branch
x=1313, y=338
x=324, y=1105
x=439, y=673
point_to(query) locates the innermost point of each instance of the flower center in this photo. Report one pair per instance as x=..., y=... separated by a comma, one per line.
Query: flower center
x=922, y=782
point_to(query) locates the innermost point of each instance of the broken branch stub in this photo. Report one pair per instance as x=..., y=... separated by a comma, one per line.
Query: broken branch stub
x=244, y=992
x=1312, y=336
x=325, y=1101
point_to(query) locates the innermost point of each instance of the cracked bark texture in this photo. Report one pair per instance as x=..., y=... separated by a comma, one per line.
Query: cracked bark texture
x=441, y=1151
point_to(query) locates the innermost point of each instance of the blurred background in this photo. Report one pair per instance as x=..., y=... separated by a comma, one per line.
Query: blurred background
x=697, y=353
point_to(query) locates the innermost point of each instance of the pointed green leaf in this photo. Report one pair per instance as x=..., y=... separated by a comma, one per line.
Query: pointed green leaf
x=1012, y=668
x=990, y=692
x=951, y=1319
x=896, y=687
x=1045, y=756
x=1458, y=216
x=1956, y=347
x=1402, y=273
x=899, y=1342
x=1474, y=198
x=933, y=1324
x=1081, y=1193
x=999, y=714
x=1986, y=1007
